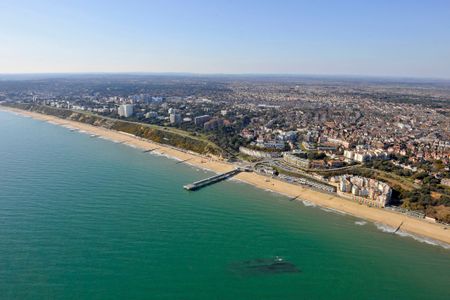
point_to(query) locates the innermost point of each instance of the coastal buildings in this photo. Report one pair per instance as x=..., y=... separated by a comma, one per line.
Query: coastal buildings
x=364, y=190
x=343, y=126
x=270, y=144
x=201, y=120
x=308, y=182
x=364, y=155
x=125, y=110
x=297, y=161
x=175, y=118
x=337, y=141
x=151, y=114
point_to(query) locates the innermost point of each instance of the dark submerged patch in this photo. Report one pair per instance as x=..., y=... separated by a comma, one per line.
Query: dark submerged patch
x=263, y=266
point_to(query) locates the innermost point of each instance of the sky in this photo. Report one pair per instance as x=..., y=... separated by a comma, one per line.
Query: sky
x=341, y=37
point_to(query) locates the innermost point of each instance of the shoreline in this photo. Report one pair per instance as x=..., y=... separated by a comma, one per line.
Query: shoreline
x=411, y=226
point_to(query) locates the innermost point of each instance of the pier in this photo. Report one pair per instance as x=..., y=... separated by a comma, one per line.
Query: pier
x=210, y=180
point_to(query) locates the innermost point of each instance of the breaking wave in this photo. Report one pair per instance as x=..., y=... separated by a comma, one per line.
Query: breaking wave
x=308, y=203
x=421, y=239
x=332, y=210
x=360, y=223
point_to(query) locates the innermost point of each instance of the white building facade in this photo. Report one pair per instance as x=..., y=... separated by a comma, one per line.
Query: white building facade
x=125, y=110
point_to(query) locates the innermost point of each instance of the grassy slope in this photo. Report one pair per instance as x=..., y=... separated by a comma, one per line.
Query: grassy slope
x=164, y=135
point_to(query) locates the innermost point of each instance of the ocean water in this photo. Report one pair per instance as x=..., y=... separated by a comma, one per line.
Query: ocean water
x=86, y=218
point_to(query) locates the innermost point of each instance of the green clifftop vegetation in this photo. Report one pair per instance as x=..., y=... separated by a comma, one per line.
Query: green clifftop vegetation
x=158, y=134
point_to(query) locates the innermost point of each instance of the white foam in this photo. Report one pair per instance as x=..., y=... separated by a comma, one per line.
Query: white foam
x=360, y=223
x=421, y=239
x=237, y=180
x=199, y=169
x=308, y=203
x=168, y=156
x=158, y=153
x=384, y=228
x=332, y=210
x=272, y=191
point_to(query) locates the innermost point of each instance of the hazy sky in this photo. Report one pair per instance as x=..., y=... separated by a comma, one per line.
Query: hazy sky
x=395, y=38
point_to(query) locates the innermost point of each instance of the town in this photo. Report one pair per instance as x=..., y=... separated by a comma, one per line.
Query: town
x=381, y=143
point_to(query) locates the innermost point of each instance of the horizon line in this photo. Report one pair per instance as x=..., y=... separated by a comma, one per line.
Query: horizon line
x=256, y=74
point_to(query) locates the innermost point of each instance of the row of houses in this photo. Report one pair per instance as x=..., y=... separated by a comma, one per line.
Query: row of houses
x=370, y=191
x=365, y=155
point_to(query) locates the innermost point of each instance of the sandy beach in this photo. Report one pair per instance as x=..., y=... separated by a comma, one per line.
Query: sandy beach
x=411, y=225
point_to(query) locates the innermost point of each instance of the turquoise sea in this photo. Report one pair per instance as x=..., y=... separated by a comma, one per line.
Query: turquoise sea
x=86, y=218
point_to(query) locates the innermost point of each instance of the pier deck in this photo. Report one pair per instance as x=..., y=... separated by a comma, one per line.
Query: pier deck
x=210, y=180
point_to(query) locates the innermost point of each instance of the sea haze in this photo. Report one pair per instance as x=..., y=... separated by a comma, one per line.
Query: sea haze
x=86, y=218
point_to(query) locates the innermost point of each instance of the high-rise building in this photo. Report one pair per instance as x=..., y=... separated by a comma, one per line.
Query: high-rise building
x=175, y=118
x=125, y=110
x=199, y=121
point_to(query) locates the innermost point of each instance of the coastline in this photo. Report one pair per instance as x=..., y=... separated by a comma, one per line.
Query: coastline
x=333, y=202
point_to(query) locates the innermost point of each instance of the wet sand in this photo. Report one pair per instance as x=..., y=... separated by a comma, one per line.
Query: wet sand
x=389, y=218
